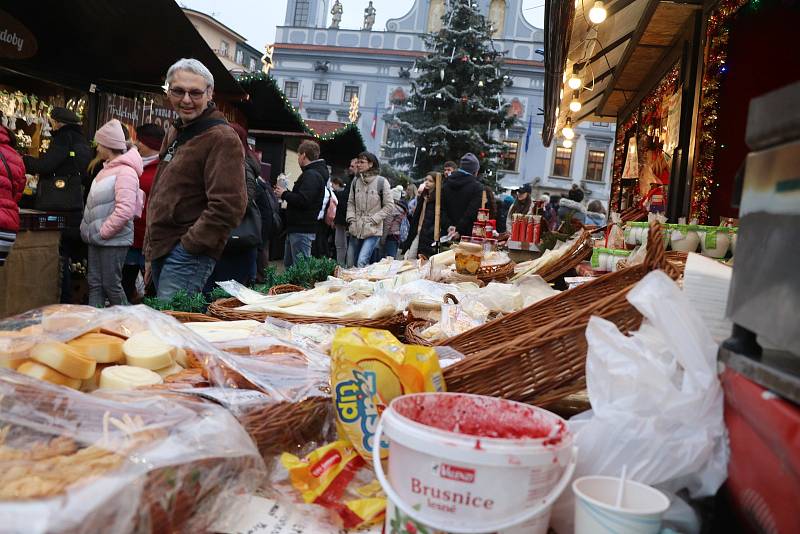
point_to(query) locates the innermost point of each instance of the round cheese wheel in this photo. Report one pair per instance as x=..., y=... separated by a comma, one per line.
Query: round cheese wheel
x=146, y=350
x=123, y=377
x=102, y=348
x=42, y=372
x=64, y=359
x=167, y=371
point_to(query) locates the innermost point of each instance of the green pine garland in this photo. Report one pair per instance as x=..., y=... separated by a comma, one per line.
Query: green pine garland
x=305, y=272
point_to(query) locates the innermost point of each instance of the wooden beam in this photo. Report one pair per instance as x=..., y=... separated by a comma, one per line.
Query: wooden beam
x=644, y=22
x=604, y=51
x=617, y=6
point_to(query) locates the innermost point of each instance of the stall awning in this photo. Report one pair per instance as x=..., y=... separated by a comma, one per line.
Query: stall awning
x=116, y=45
x=614, y=59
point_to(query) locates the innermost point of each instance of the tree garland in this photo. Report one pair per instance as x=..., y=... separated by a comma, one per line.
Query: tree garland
x=716, y=54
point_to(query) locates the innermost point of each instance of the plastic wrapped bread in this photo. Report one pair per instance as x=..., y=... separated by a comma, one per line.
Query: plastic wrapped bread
x=120, y=462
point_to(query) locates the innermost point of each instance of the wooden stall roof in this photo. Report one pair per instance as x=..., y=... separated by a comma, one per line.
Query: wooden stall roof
x=615, y=59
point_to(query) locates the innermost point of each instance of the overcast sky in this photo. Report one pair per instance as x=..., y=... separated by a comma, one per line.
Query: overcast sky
x=257, y=19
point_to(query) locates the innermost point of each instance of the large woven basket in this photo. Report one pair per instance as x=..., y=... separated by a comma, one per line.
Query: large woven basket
x=284, y=426
x=225, y=309
x=528, y=355
x=580, y=250
x=414, y=330
x=558, y=306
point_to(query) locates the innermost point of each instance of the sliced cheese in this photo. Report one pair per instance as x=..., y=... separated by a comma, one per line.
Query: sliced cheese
x=127, y=377
x=42, y=372
x=64, y=359
x=101, y=348
x=147, y=351
x=168, y=371
x=12, y=363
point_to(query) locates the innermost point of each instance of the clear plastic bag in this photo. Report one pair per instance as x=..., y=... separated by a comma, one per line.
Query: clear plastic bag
x=132, y=461
x=657, y=402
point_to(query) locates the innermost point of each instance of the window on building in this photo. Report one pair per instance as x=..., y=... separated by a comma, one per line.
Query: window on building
x=562, y=163
x=600, y=124
x=301, y=9
x=291, y=89
x=320, y=91
x=223, y=48
x=594, y=165
x=349, y=92
x=510, y=156
x=253, y=64
x=239, y=57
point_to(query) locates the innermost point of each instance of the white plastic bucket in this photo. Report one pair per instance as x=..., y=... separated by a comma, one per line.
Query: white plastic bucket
x=446, y=475
x=596, y=510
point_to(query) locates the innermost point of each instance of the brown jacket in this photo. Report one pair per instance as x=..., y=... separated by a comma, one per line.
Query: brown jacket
x=199, y=196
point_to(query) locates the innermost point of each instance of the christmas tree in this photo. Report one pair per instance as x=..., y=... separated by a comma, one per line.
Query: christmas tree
x=456, y=103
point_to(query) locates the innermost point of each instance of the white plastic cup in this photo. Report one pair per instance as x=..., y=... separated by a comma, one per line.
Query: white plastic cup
x=596, y=511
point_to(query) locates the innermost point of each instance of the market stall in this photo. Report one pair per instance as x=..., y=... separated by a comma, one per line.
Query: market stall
x=57, y=55
x=675, y=77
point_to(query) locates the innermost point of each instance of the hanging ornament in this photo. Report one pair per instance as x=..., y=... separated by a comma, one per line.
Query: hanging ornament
x=441, y=74
x=452, y=80
x=423, y=150
x=465, y=59
x=480, y=83
x=453, y=54
x=482, y=154
x=439, y=96
x=464, y=99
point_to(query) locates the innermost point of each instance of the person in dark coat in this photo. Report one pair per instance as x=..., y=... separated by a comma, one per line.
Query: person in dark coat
x=240, y=263
x=69, y=154
x=341, y=187
x=423, y=221
x=461, y=195
x=304, y=202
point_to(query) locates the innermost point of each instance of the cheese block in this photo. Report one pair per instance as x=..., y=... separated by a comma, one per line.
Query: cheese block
x=64, y=359
x=147, y=351
x=93, y=382
x=167, y=371
x=42, y=372
x=122, y=377
x=181, y=357
x=102, y=348
x=12, y=363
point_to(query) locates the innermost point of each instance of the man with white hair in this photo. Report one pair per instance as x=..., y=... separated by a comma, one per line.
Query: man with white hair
x=198, y=195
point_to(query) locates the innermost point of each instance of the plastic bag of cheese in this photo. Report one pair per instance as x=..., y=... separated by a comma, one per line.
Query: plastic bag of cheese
x=118, y=348
x=117, y=461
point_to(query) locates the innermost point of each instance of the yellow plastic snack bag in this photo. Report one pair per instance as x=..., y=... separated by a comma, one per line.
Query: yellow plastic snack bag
x=369, y=368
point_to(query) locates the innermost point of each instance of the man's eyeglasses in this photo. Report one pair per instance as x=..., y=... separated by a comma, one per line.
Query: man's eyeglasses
x=194, y=94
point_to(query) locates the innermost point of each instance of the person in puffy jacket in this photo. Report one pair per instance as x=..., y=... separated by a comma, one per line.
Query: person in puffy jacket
x=113, y=202
x=12, y=183
x=370, y=202
x=423, y=222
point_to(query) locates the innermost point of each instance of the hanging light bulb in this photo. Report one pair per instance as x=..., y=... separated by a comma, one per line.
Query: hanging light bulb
x=598, y=13
x=441, y=74
x=567, y=143
x=574, y=81
x=567, y=130
x=480, y=83
x=575, y=104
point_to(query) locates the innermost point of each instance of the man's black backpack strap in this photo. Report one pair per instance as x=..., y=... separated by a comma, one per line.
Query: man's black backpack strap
x=187, y=133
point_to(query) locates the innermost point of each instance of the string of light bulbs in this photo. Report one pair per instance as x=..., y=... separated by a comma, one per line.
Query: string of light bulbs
x=596, y=16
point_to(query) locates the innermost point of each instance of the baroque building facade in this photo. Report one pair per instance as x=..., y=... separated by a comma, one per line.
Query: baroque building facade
x=321, y=69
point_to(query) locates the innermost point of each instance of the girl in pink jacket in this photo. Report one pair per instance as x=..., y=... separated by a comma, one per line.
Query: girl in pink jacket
x=114, y=201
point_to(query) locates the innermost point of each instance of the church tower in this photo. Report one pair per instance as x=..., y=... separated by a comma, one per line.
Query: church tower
x=307, y=13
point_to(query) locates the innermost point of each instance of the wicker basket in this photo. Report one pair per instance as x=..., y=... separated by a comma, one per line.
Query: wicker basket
x=414, y=333
x=580, y=250
x=285, y=288
x=494, y=273
x=534, y=355
x=225, y=309
x=187, y=317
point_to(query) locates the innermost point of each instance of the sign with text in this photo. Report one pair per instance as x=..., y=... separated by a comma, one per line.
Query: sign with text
x=16, y=41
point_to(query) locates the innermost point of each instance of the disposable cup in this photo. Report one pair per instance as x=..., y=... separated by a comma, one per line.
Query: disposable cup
x=596, y=511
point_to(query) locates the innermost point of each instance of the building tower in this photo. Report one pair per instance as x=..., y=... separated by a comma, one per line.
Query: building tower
x=307, y=13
